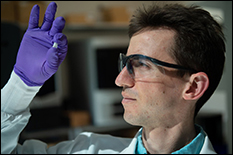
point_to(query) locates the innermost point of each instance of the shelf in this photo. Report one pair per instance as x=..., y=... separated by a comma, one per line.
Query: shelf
x=83, y=31
x=96, y=27
x=89, y=27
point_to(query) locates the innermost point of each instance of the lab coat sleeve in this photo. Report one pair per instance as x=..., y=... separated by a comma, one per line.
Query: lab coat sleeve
x=15, y=99
x=84, y=143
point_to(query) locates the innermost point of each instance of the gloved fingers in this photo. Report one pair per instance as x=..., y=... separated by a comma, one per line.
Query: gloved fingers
x=49, y=16
x=58, y=26
x=34, y=17
x=61, y=40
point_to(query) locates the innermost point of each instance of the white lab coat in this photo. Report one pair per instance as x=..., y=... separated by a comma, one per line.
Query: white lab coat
x=15, y=99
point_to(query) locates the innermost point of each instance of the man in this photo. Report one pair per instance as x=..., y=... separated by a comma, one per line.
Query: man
x=173, y=65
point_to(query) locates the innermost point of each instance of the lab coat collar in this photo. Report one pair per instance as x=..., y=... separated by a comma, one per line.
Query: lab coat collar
x=207, y=147
x=132, y=146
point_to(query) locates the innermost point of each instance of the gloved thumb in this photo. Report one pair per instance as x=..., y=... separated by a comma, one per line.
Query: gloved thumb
x=56, y=54
x=51, y=63
x=62, y=42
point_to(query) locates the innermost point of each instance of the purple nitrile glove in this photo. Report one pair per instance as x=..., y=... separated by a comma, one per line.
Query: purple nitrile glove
x=42, y=49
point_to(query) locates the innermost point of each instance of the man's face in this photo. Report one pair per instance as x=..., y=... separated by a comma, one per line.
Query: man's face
x=154, y=103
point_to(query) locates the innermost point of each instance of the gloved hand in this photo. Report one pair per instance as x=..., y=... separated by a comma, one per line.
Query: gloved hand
x=37, y=59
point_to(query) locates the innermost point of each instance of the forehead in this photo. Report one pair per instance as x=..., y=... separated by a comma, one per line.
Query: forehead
x=153, y=43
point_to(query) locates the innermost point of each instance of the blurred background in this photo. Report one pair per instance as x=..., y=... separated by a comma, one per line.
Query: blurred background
x=82, y=95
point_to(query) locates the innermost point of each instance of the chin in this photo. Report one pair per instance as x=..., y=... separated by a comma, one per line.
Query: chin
x=132, y=120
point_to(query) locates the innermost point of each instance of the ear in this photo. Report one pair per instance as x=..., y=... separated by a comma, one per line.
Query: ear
x=197, y=85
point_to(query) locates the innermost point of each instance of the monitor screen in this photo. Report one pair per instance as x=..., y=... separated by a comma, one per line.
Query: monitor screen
x=107, y=66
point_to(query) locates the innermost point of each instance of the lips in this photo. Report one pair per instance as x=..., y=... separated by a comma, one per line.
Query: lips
x=127, y=98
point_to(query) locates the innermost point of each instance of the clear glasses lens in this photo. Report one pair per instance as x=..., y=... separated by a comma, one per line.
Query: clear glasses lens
x=140, y=68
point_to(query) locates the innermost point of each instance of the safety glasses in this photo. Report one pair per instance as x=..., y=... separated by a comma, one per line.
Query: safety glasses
x=141, y=67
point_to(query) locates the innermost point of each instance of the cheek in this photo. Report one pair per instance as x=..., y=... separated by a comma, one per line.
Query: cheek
x=157, y=98
x=152, y=95
x=158, y=104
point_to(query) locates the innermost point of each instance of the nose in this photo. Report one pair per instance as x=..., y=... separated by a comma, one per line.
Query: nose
x=124, y=79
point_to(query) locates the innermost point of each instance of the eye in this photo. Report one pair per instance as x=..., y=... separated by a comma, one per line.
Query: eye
x=140, y=63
